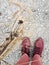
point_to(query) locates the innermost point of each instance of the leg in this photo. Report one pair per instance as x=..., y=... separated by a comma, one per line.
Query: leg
x=23, y=60
x=25, y=52
x=38, y=48
x=36, y=60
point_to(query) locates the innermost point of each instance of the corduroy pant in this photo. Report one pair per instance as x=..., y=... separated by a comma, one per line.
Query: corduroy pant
x=24, y=60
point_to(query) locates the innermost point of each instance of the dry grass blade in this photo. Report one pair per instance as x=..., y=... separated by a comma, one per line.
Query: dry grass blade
x=11, y=44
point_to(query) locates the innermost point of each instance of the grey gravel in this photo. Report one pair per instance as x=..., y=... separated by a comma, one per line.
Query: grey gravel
x=36, y=24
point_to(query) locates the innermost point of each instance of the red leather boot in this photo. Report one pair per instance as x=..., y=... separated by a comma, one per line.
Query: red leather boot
x=25, y=45
x=38, y=46
x=24, y=60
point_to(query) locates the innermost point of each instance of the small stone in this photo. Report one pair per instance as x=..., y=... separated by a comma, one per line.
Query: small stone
x=0, y=13
x=20, y=22
x=7, y=38
x=16, y=35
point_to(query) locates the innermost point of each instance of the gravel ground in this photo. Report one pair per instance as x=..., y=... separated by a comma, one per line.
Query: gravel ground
x=35, y=15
